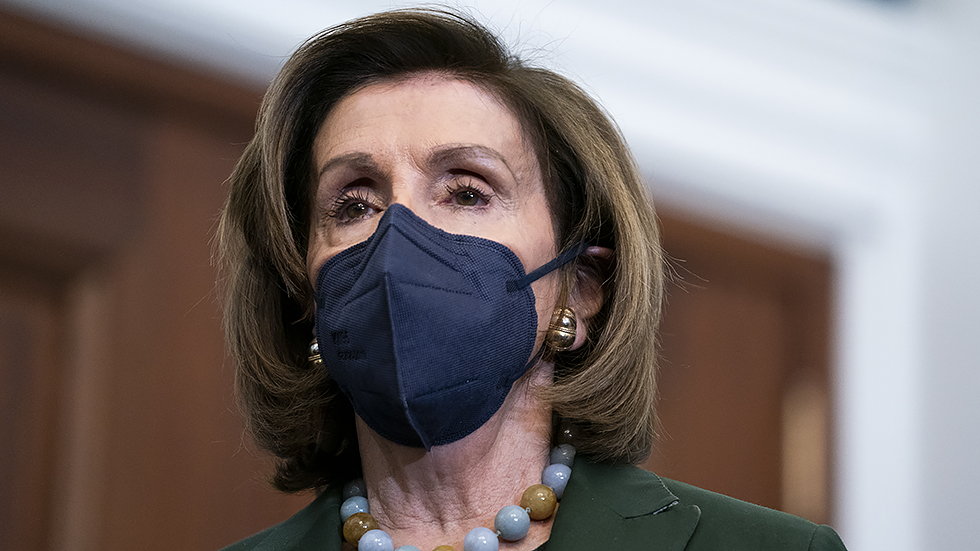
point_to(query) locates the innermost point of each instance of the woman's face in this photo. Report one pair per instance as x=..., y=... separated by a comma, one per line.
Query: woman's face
x=447, y=150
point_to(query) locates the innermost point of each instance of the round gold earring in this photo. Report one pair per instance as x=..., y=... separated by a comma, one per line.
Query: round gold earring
x=314, y=357
x=561, y=332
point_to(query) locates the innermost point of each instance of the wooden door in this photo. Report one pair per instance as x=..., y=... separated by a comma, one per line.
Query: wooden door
x=118, y=428
x=744, y=399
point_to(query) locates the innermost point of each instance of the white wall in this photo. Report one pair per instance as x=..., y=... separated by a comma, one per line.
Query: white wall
x=949, y=283
x=850, y=126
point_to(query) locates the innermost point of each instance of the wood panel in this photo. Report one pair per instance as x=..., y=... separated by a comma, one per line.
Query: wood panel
x=119, y=429
x=29, y=372
x=743, y=381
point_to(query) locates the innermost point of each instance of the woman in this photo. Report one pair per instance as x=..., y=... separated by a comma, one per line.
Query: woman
x=468, y=242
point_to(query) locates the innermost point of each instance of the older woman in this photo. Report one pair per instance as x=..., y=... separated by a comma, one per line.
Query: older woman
x=467, y=243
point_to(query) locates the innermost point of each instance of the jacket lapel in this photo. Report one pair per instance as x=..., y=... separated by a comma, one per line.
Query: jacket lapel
x=620, y=507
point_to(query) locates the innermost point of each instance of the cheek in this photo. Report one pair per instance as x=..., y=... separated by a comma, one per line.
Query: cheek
x=318, y=255
x=545, y=297
x=537, y=243
x=315, y=258
x=312, y=265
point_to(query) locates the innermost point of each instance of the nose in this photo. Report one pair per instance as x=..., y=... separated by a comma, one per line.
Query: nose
x=419, y=192
x=410, y=193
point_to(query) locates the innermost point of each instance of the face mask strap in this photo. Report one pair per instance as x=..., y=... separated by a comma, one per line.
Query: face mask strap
x=553, y=264
x=534, y=359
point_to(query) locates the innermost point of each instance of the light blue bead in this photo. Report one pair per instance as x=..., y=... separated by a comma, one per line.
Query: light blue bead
x=564, y=454
x=556, y=477
x=512, y=523
x=375, y=540
x=354, y=504
x=407, y=548
x=480, y=539
x=355, y=487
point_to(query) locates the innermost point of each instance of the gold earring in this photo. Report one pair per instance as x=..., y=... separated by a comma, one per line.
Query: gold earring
x=561, y=332
x=314, y=357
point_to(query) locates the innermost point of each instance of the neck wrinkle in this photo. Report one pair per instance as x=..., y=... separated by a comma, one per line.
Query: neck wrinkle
x=429, y=499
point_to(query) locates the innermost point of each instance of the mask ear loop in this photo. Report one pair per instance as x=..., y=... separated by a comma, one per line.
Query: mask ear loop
x=546, y=268
x=564, y=258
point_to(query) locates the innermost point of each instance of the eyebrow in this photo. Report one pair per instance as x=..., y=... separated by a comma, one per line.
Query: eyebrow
x=461, y=152
x=448, y=153
x=355, y=159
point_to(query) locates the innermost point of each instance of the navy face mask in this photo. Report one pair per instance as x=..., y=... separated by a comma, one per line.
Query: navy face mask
x=426, y=331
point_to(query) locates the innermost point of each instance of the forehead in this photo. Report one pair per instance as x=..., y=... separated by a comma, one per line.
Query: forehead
x=424, y=109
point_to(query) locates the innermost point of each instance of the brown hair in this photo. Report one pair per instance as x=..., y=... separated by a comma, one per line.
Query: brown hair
x=294, y=410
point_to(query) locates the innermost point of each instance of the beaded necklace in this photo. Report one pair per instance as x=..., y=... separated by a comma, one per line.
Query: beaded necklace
x=512, y=522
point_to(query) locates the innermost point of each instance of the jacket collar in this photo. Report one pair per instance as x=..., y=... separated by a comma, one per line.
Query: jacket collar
x=620, y=507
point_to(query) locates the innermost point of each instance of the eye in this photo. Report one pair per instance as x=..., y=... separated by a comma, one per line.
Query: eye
x=466, y=190
x=467, y=198
x=352, y=205
x=355, y=210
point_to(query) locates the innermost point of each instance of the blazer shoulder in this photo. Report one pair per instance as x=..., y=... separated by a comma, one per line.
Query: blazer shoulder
x=251, y=542
x=316, y=526
x=733, y=524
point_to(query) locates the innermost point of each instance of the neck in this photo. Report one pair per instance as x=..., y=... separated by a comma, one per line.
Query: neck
x=434, y=498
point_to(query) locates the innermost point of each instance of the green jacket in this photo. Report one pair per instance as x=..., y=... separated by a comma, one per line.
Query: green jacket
x=604, y=507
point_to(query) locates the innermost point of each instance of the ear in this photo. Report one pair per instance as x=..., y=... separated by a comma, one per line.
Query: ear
x=586, y=298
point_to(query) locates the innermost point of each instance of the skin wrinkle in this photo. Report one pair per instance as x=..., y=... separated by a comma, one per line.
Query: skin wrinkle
x=592, y=185
x=465, y=155
x=440, y=154
x=407, y=139
x=524, y=230
x=503, y=445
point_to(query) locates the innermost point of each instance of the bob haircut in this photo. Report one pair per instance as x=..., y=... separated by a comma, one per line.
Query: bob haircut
x=606, y=388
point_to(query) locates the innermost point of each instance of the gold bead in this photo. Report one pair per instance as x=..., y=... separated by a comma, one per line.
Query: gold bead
x=540, y=501
x=357, y=525
x=561, y=332
x=445, y=548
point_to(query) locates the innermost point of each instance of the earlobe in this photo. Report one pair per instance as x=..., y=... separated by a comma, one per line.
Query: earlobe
x=587, y=297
